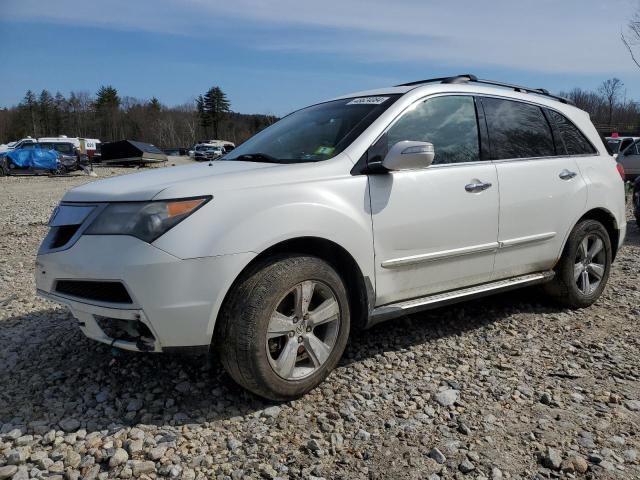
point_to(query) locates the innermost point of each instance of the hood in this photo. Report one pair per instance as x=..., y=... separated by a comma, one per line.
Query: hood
x=146, y=185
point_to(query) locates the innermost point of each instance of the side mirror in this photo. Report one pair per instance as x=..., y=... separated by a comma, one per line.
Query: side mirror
x=408, y=155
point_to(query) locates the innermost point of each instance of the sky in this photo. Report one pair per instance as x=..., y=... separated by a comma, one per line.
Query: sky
x=274, y=56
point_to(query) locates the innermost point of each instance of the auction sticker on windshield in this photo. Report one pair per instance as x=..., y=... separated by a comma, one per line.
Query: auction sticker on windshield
x=368, y=101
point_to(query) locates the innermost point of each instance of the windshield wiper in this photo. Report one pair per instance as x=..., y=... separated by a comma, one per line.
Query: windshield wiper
x=257, y=157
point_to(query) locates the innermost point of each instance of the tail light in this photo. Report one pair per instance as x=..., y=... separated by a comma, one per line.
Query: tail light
x=620, y=170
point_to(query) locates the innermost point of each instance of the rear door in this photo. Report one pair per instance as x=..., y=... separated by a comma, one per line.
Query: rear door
x=542, y=193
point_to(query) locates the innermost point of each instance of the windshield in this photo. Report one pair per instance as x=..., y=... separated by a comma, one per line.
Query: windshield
x=315, y=133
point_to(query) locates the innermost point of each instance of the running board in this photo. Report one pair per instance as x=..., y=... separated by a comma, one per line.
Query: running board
x=407, y=307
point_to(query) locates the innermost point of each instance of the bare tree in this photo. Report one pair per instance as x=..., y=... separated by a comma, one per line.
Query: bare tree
x=631, y=38
x=610, y=90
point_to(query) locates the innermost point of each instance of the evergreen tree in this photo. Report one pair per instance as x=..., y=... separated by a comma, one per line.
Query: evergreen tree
x=29, y=110
x=212, y=108
x=107, y=105
x=59, y=113
x=205, y=120
x=45, y=104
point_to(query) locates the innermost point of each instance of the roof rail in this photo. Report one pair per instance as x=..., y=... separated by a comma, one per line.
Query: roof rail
x=467, y=78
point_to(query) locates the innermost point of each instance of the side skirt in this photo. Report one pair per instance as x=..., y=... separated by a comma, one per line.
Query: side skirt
x=407, y=307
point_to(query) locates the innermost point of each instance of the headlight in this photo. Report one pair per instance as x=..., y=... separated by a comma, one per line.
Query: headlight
x=144, y=220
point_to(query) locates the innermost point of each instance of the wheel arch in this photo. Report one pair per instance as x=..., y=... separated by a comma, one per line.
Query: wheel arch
x=606, y=218
x=359, y=288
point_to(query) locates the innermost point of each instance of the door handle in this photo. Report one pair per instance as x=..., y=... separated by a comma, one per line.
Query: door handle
x=567, y=174
x=477, y=187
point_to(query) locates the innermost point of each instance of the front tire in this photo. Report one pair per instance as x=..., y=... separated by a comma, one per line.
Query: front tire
x=284, y=326
x=583, y=269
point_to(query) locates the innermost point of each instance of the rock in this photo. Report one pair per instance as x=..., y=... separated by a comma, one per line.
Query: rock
x=72, y=475
x=313, y=445
x=363, y=435
x=7, y=471
x=464, y=429
x=580, y=464
x=337, y=441
x=72, y=459
x=267, y=471
x=233, y=444
x=271, y=412
x=140, y=467
x=546, y=399
x=69, y=424
x=49, y=437
x=119, y=457
x=633, y=405
x=24, y=440
x=630, y=455
x=156, y=453
x=102, y=396
x=496, y=473
x=17, y=456
x=466, y=466
x=437, y=455
x=447, y=398
x=21, y=474
x=13, y=434
x=183, y=387
x=552, y=459
x=134, y=405
x=135, y=446
x=56, y=467
x=567, y=466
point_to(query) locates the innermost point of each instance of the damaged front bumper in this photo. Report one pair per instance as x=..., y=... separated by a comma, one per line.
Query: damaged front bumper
x=125, y=329
x=164, y=303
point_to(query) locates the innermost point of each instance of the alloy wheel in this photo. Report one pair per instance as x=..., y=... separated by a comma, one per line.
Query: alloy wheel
x=590, y=264
x=303, y=330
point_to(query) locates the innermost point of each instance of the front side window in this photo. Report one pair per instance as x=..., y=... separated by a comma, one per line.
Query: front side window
x=449, y=123
x=571, y=141
x=314, y=133
x=517, y=129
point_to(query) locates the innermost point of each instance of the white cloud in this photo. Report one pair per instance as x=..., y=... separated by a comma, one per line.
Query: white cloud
x=547, y=36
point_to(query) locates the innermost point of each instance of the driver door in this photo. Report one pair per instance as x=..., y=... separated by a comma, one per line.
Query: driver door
x=435, y=229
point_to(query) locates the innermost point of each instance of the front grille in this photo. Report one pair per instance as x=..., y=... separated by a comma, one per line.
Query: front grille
x=109, y=292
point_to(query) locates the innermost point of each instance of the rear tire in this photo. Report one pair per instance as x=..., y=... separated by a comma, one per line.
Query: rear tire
x=284, y=326
x=583, y=269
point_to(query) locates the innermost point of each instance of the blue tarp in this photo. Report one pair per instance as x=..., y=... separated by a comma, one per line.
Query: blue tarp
x=34, y=158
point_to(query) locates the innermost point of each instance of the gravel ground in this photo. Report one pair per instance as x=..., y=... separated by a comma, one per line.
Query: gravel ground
x=505, y=387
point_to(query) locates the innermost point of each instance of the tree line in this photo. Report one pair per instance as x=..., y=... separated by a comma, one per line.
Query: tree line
x=610, y=108
x=109, y=116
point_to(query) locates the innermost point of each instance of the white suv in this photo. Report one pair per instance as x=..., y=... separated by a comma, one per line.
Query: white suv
x=341, y=215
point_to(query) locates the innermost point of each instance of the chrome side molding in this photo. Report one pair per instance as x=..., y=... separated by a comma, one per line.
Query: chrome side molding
x=459, y=252
x=443, y=255
x=407, y=307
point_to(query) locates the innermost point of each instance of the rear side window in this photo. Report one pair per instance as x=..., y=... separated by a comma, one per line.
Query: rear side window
x=449, y=122
x=569, y=140
x=517, y=130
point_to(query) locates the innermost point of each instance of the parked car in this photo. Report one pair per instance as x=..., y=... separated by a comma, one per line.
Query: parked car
x=619, y=144
x=344, y=214
x=630, y=160
x=30, y=160
x=203, y=153
x=69, y=155
x=17, y=144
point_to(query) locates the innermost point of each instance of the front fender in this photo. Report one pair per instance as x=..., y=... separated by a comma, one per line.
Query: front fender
x=254, y=219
